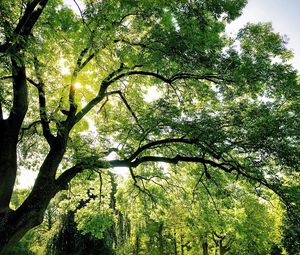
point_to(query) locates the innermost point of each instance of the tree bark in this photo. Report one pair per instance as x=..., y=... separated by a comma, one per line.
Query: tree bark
x=160, y=238
x=205, y=247
x=182, y=244
x=223, y=248
x=8, y=166
x=14, y=224
x=9, y=131
x=175, y=243
x=137, y=245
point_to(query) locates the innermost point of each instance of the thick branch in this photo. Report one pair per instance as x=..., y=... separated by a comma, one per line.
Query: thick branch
x=69, y=174
x=63, y=180
x=20, y=100
x=26, y=23
x=43, y=115
x=30, y=17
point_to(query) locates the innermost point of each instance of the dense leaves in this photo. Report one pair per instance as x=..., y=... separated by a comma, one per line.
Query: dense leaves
x=142, y=85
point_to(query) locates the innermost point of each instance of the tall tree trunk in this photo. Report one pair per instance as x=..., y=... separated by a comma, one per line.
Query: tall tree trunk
x=137, y=245
x=205, y=247
x=175, y=243
x=182, y=244
x=8, y=166
x=9, y=131
x=160, y=238
x=223, y=248
x=14, y=224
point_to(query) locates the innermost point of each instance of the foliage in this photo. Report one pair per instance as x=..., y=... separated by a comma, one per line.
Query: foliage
x=225, y=113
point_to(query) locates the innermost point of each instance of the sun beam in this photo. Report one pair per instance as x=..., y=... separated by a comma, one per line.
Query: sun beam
x=77, y=85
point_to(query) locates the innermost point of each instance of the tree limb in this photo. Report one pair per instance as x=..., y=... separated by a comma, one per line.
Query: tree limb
x=20, y=93
x=42, y=104
x=33, y=124
x=101, y=94
x=6, y=77
x=156, y=143
x=32, y=12
x=127, y=106
x=63, y=180
x=175, y=160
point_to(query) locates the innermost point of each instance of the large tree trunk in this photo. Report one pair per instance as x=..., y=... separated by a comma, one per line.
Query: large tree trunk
x=14, y=224
x=9, y=131
x=8, y=167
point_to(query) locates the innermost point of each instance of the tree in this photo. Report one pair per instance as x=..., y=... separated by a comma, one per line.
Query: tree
x=233, y=108
x=218, y=215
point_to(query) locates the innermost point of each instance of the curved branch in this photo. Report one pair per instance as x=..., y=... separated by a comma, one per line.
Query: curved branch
x=179, y=76
x=178, y=158
x=101, y=94
x=63, y=180
x=156, y=143
x=118, y=74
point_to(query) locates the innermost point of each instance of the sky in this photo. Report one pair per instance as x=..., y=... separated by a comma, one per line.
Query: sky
x=282, y=13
